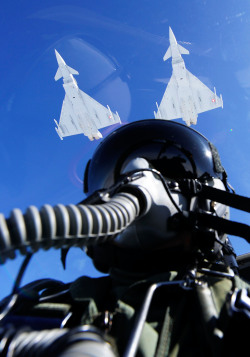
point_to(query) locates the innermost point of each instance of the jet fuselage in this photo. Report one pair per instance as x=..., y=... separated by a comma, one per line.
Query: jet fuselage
x=180, y=75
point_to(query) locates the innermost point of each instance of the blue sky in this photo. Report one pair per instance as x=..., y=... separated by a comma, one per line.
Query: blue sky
x=117, y=47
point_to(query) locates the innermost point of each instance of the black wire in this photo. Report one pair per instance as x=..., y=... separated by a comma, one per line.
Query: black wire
x=16, y=287
x=20, y=274
x=165, y=184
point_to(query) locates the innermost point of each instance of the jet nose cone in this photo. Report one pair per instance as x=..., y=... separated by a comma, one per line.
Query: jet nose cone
x=171, y=36
x=59, y=58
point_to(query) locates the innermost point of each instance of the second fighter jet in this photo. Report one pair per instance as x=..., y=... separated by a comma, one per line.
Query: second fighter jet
x=186, y=96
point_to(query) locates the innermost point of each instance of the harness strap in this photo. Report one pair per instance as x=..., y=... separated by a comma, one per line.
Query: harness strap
x=196, y=188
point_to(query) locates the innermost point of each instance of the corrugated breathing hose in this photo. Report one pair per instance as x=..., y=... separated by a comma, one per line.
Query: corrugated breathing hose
x=72, y=225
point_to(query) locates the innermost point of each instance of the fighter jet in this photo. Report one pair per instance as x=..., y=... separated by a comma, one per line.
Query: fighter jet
x=186, y=96
x=80, y=113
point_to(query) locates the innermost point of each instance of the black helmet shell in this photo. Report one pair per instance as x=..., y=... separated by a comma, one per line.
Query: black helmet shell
x=174, y=149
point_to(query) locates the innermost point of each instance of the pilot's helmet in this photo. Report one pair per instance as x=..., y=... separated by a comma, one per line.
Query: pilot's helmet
x=177, y=152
